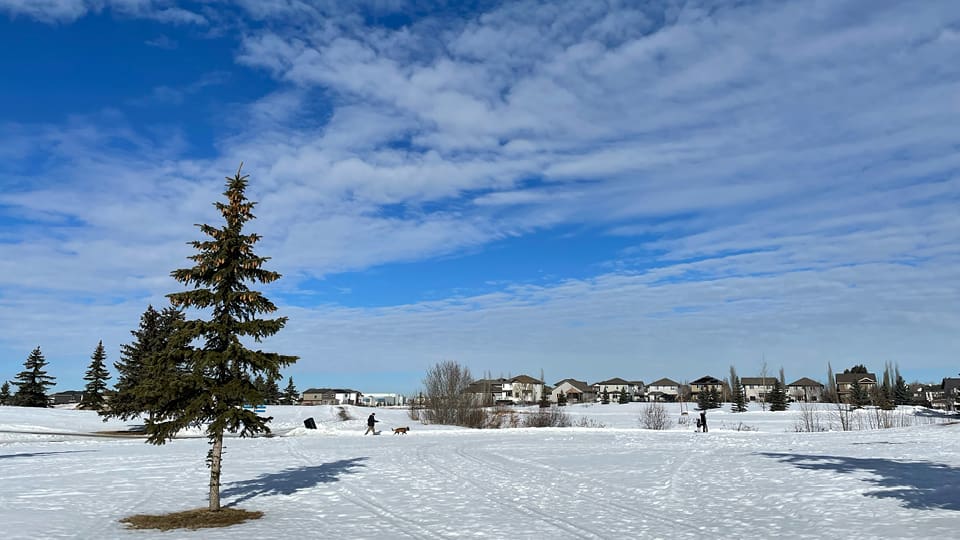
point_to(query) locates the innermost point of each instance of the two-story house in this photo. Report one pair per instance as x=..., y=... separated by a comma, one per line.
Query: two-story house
x=705, y=384
x=845, y=381
x=757, y=388
x=663, y=390
x=611, y=388
x=805, y=390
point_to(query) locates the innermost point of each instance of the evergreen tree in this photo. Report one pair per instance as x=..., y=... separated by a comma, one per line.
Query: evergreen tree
x=271, y=392
x=859, y=396
x=859, y=368
x=778, y=397
x=901, y=392
x=33, y=381
x=290, y=394
x=738, y=397
x=220, y=373
x=561, y=399
x=605, y=397
x=5, y=397
x=146, y=366
x=96, y=378
x=703, y=400
x=624, y=397
x=714, y=397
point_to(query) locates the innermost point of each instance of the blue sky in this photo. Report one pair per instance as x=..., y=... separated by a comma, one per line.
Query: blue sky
x=594, y=190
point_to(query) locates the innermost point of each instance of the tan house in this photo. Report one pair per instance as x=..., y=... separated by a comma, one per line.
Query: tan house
x=515, y=390
x=705, y=384
x=757, y=388
x=845, y=381
x=574, y=390
x=805, y=390
x=612, y=388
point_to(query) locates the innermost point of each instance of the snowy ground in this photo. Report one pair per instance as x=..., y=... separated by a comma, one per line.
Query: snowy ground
x=616, y=481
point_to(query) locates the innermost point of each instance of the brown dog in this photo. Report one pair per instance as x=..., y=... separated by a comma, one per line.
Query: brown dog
x=399, y=430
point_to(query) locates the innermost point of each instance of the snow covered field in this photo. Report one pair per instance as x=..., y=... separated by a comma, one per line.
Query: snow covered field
x=616, y=481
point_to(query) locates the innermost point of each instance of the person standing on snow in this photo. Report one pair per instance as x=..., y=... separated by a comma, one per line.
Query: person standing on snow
x=703, y=421
x=370, y=422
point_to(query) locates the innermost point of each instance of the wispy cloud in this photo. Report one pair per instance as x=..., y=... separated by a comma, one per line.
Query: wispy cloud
x=65, y=11
x=787, y=170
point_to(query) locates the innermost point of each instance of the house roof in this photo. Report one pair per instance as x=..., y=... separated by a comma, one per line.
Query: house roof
x=525, y=379
x=582, y=386
x=664, y=382
x=330, y=391
x=613, y=381
x=850, y=377
x=761, y=381
x=637, y=383
x=707, y=379
x=805, y=381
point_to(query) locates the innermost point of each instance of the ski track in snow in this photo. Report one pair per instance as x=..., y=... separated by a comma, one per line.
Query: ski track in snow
x=450, y=483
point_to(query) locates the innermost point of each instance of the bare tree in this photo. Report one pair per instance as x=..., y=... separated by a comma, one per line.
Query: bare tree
x=831, y=393
x=763, y=386
x=445, y=398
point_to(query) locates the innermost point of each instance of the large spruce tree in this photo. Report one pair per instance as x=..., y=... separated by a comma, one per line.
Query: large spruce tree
x=33, y=381
x=220, y=370
x=96, y=377
x=145, y=365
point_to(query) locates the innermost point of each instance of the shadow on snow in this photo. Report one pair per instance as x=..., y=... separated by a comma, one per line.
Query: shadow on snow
x=290, y=481
x=920, y=485
x=34, y=454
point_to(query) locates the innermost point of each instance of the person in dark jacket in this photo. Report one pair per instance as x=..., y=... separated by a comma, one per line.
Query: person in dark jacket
x=371, y=420
x=703, y=421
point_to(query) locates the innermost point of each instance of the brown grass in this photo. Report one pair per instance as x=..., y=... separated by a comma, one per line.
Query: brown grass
x=201, y=518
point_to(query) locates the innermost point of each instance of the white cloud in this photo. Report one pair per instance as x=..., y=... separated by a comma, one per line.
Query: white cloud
x=789, y=171
x=65, y=11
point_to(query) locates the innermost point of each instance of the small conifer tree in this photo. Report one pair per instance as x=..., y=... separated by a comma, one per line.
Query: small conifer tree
x=290, y=394
x=561, y=399
x=33, y=381
x=778, y=397
x=738, y=397
x=703, y=400
x=624, y=397
x=859, y=396
x=96, y=377
x=605, y=397
x=901, y=392
x=5, y=397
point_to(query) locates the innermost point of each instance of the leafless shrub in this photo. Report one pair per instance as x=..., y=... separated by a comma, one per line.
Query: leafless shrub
x=809, y=420
x=653, y=416
x=552, y=417
x=583, y=421
x=414, y=413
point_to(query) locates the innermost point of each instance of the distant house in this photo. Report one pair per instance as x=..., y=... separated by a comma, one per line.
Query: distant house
x=638, y=390
x=575, y=391
x=331, y=396
x=663, y=390
x=612, y=388
x=928, y=395
x=705, y=384
x=805, y=390
x=845, y=381
x=66, y=397
x=382, y=400
x=757, y=388
x=515, y=390
x=951, y=393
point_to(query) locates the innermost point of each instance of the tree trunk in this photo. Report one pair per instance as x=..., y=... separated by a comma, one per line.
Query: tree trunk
x=216, y=453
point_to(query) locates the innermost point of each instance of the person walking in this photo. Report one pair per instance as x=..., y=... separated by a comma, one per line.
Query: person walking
x=371, y=420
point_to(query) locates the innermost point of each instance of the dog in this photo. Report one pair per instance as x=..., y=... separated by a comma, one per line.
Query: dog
x=399, y=430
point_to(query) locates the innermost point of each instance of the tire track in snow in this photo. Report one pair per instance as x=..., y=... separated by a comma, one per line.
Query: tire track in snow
x=400, y=524
x=530, y=512
x=586, y=482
